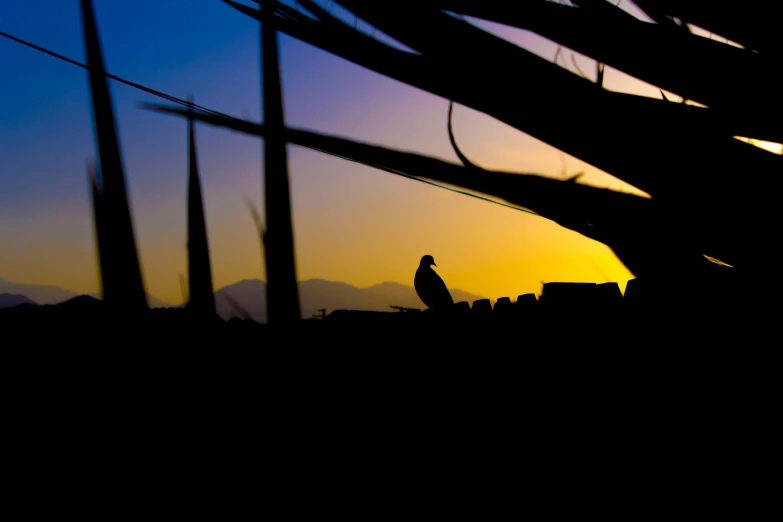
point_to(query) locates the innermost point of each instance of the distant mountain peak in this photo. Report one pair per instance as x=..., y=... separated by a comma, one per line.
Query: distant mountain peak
x=11, y=300
x=388, y=284
x=316, y=293
x=249, y=295
x=41, y=294
x=84, y=298
x=51, y=294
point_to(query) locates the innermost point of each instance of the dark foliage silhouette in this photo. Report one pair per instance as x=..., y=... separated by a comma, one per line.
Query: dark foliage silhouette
x=121, y=278
x=712, y=195
x=693, y=183
x=201, y=299
x=282, y=291
x=645, y=237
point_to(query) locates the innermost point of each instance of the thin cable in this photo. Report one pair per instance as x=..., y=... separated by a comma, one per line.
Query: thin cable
x=185, y=103
x=399, y=173
x=129, y=83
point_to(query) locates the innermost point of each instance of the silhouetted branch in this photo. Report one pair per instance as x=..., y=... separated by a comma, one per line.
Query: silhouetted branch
x=694, y=132
x=579, y=69
x=680, y=62
x=630, y=225
x=748, y=23
x=465, y=161
x=99, y=224
x=260, y=228
x=202, y=299
x=281, y=287
x=183, y=288
x=121, y=275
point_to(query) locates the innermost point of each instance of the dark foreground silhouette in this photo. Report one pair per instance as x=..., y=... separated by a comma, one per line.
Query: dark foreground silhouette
x=222, y=412
x=582, y=313
x=185, y=408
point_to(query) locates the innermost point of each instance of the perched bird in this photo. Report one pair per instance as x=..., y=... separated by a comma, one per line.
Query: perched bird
x=430, y=287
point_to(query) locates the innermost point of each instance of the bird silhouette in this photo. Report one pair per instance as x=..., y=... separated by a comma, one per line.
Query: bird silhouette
x=430, y=287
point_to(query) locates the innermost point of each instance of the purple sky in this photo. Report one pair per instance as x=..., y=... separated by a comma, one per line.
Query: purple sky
x=349, y=219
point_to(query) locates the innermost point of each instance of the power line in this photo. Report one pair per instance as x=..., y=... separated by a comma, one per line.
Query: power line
x=207, y=110
x=135, y=85
x=428, y=182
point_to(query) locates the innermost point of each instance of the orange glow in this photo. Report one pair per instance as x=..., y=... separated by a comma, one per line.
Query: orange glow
x=351, y=223
x=775, y=148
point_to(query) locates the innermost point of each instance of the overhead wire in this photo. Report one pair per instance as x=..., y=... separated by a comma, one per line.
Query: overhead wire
x=129, y=83
x=207, y=110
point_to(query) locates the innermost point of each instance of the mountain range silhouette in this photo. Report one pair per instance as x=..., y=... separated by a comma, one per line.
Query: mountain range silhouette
x=51, y=294
x=11, y=300
x=315, y=294
x=249, y=296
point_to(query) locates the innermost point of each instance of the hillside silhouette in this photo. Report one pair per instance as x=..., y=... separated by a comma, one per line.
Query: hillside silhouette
x=41, y=294
x=249, y=296
x=316, y=294
x=51, y=294
x=11, y=300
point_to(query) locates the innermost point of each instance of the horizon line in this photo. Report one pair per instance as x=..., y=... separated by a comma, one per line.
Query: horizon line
x=97, y=293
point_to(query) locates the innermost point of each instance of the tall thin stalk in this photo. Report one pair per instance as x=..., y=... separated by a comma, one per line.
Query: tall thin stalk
x=201, y=302
x=123, y=289
x=281, y=288
x=98, y=221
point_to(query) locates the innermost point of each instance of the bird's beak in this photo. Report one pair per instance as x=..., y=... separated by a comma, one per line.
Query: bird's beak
x=433, y=264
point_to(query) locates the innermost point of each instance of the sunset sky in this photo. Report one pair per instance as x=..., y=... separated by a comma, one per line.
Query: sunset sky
x=351, y=223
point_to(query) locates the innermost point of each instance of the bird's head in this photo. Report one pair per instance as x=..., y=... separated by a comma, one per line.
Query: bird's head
x=427, y=261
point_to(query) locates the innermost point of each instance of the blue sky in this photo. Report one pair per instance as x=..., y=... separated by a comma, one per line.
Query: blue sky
x=344, y=213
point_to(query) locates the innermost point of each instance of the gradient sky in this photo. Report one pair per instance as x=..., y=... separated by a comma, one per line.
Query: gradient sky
x=352, y=223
